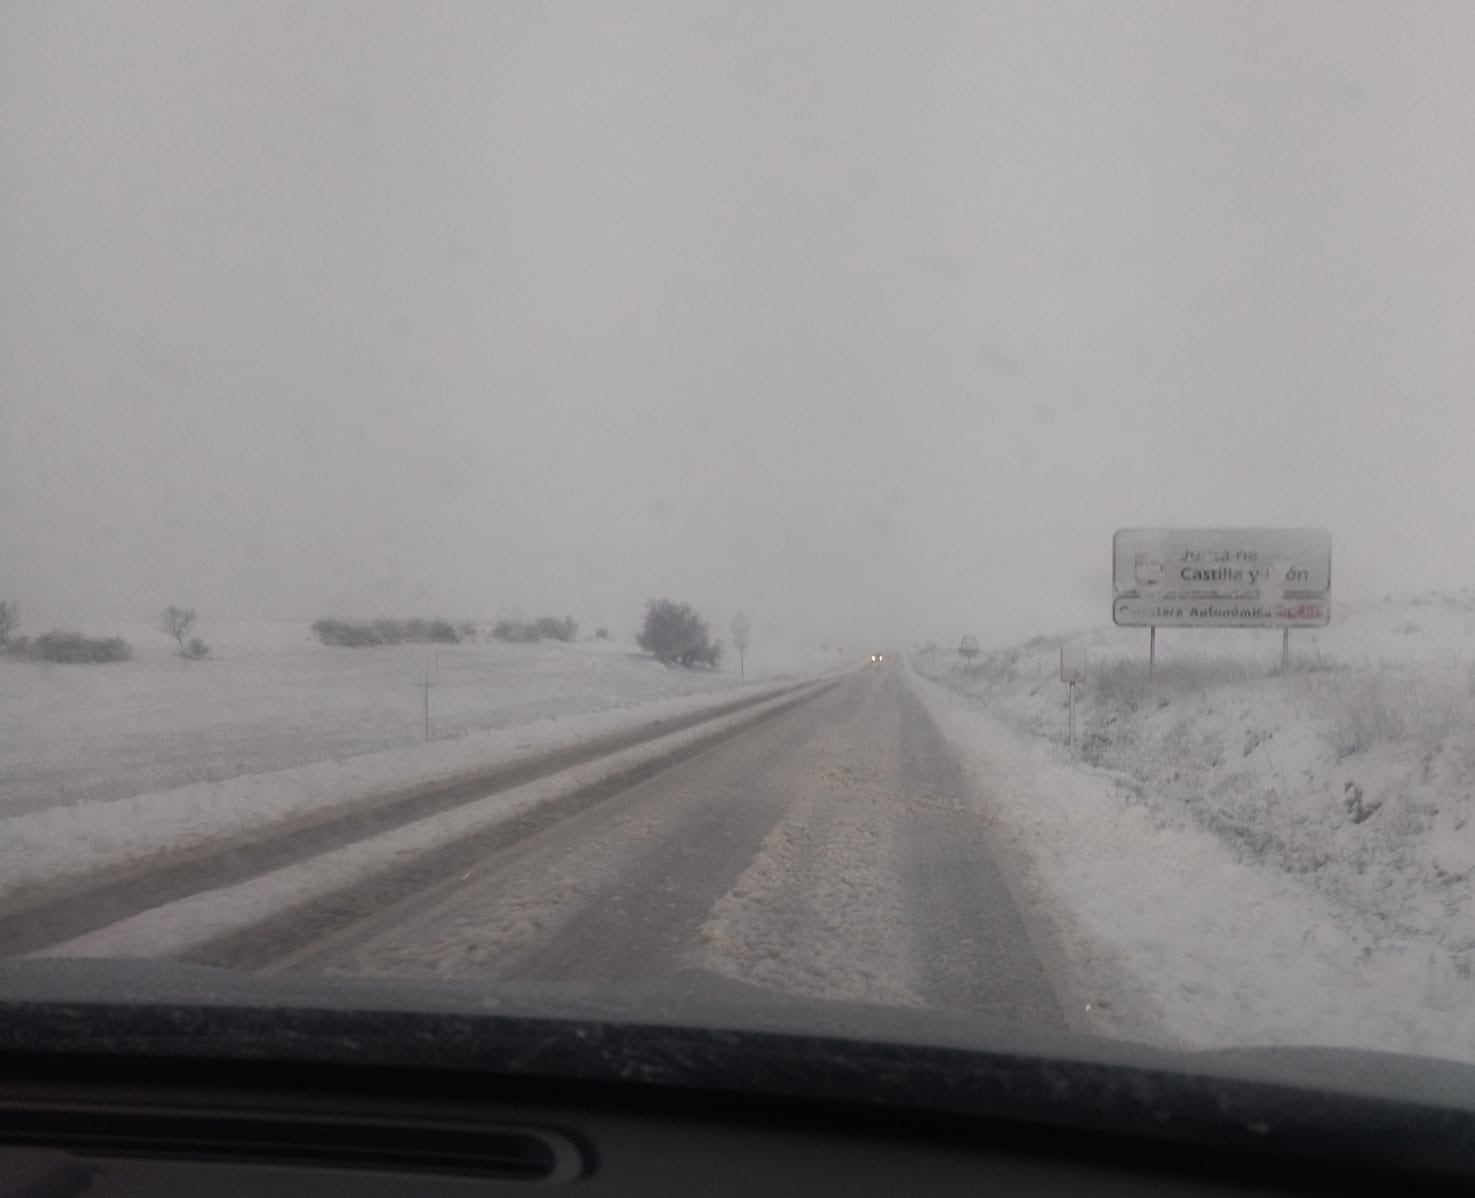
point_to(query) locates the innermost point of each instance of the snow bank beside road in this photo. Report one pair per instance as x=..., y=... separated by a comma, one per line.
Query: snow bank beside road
x=270, y=697
x=1250, y=858
x=193, y=924
x=44, y=849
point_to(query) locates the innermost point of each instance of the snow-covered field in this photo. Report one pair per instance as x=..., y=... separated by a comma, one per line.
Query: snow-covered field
x=179, y=927
x=1235, y=855
x=270, y=698
x=56, y=845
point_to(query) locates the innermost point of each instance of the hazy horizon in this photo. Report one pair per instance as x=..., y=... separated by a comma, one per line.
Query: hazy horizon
x=874, y=323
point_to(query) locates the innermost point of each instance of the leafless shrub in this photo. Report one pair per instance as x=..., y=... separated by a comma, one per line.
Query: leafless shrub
x=177, y=622
x=358, y=634
x=72, y=648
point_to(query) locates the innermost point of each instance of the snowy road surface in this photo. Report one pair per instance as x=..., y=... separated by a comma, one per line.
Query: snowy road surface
x=828, y=852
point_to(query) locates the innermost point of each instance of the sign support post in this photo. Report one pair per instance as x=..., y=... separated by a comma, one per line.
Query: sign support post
x=1072, y=673
x=1151, y=650
x=1285, y=650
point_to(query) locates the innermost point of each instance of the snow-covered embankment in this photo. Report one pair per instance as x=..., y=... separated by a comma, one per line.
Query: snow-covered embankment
x=1232, y=855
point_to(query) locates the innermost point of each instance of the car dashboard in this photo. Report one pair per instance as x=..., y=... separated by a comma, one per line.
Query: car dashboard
x=331, y=1092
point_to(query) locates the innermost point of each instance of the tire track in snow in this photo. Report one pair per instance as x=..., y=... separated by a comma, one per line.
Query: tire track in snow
x=826, y=854
x=879, y=884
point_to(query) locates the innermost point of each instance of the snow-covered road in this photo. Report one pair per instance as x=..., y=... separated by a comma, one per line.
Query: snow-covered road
x=829, y=852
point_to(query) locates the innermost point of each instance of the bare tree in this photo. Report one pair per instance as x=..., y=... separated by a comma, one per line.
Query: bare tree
x=9, y=618
x=177, y=622
x=740, y=630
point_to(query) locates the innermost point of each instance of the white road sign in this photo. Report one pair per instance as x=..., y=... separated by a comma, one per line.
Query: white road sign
x=1222, y=577
x=1072, y=664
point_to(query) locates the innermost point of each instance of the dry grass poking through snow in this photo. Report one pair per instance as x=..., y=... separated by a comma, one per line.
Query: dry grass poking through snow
x=1354, y=771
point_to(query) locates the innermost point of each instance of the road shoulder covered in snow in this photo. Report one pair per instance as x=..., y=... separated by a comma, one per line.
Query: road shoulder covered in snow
x=878, y=883
x=41, y=850
x=1176, y=930
x=191, y=925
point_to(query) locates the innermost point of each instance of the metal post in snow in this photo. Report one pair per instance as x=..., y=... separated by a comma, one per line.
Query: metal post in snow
x=741, y=626
x=1285, y=650
x=1151, y=650
x=430, y=671
x=1072, y=673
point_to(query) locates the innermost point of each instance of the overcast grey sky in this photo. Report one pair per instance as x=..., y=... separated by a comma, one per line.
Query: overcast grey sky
x=874, y=318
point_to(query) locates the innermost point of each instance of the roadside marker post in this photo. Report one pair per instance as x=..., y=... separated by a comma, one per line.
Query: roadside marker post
x=1072, y=672
x=741, y=627
x=429, y=676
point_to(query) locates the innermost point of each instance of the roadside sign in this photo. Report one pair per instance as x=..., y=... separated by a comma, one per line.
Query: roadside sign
x=1222, y=577
x=1072, y=664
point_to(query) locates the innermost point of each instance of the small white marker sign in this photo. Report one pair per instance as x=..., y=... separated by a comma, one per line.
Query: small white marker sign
x=1072, y=664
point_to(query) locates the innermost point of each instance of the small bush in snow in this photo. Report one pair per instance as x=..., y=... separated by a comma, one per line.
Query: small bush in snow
x=544, y=628
x=1315, y=662
x=1368, y=710
x=1119, y=684
x=355, y=634
x=1125, y=684
x=72, y=648
x=196, y=650
x=552, y=629
x=344, y=632
x=602, y=634
x=440, y=632
x=443, y=632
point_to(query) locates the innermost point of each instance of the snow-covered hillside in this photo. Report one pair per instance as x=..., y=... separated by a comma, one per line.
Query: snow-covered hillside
x=1267, y=856
x=270, y=697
